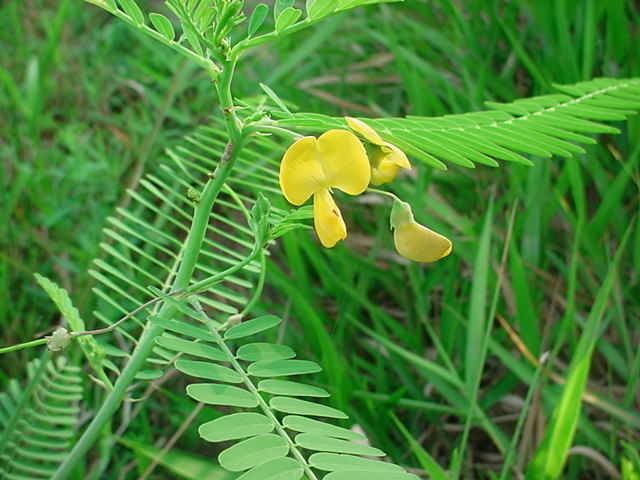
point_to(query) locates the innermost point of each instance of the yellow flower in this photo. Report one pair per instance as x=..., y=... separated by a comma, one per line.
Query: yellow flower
x=414, y=241
x=313, y=166
x=386, y=159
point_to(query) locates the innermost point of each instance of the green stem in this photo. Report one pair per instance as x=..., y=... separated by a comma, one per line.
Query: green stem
x=259, y=287
x=233, y=124
x=191, y=251
x=267, y=128
x=195, y=288
x=204, y=62
x=111, y=404
x=207, y=283
x=391, y=195
x=21, y=346
x=260, y=39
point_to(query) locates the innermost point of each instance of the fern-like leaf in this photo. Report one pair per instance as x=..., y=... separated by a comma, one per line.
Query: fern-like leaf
x=37, y=422
x=541, y=126
x=143, y=242
x=284, y=429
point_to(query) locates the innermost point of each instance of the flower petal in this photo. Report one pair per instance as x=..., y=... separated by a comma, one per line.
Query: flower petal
x=385, y=172
x=397, y=156
x=301, y=172
x=420, y=244
x=386, y=162
x=365, y=130
x=345, y=161
x=327, y=219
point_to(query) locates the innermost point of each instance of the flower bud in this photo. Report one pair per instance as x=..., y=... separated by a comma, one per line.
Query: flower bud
x=59, y=339
x=414, y=241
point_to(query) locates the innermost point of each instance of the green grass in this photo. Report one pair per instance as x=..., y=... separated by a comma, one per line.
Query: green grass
x=413, y=353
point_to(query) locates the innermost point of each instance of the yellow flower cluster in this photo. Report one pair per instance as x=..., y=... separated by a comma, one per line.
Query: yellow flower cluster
x=349, y=162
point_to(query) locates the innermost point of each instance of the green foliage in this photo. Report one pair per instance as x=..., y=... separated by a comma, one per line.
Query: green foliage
x=551, y=456
x=390, y=337
x=186, y=466
x=273, y=437
x=38, y=420
x=287, y=17
x=199, y=345
x=94, y=353
x=427, y=462
x=163, y=25
x=542, y=126
x=207, y=25
x=143, y=242
x=317, y=9
x=132, y=9
x=630, y=463
x=61, y=298
x=258, y=16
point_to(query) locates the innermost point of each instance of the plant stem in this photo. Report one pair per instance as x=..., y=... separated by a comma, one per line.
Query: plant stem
x=385, y=193
x=112, y=402
x=195, y=288
x=193, y=245
x=233, y=124
x=21, y=346
x=260, y=39
x=204, y=62
x=259, y=287
x=267, y=128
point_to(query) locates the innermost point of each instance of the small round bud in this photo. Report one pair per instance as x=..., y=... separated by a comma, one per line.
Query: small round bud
x=58, y=340
x=234, y=320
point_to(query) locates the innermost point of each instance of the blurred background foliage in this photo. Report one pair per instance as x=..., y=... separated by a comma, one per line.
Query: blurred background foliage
x=87, y=105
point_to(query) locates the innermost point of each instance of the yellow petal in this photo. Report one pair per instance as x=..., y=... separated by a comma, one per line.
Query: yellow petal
x=365, y=130
x=420, y=244
x=301, y=172
x=397, y=156
x=386, y=162
x=327, y=219
x=386, y=158
x=385, y=172
x=344, y=161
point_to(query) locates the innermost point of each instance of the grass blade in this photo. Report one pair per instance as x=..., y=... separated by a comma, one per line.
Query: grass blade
x=552, y=453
